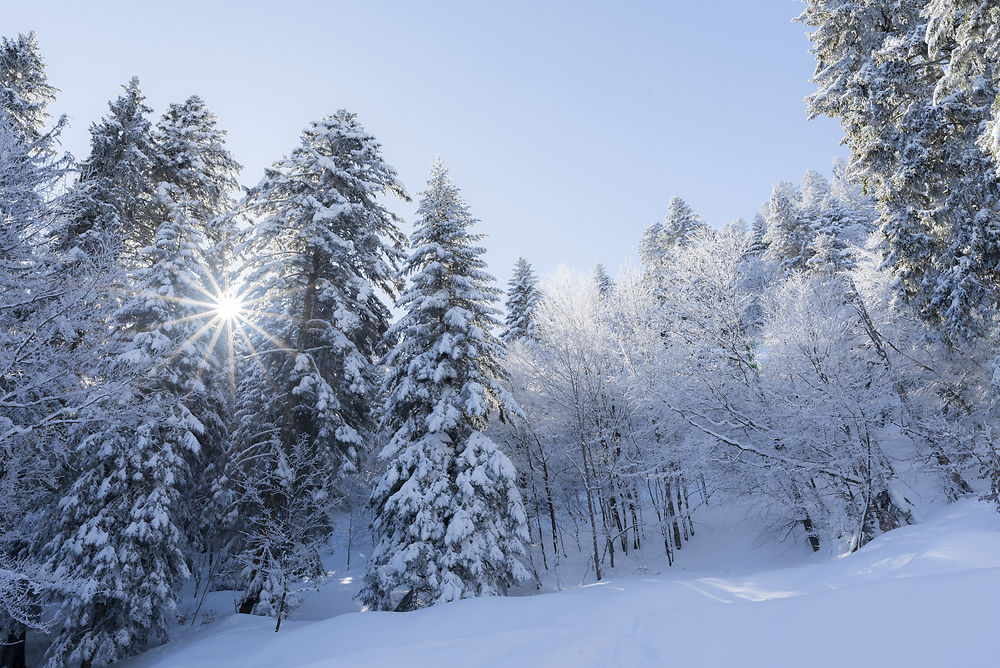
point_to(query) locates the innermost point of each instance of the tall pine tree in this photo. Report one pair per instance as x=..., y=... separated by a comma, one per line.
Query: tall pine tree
x=195, y=171
x=114, y=201
x=321, y=252
x=449, y=520
x=25, y=92
x=119, y=522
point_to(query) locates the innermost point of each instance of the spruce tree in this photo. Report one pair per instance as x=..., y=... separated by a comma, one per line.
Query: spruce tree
x=604, y=284
x=194, y=170
x=118, y=524
x=25, y=92
x=915, y=130
x=193, y=163
x=662, y=240
x=449, y=520
x=522, y=300
x=680, y=225
x=788, y=232
x=323, y=249
x=115, y=196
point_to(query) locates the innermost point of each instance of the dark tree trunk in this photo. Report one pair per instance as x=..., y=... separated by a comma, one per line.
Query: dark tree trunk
x=12, y=653
x=807, y=524
x=590, y=509
x=552, y=507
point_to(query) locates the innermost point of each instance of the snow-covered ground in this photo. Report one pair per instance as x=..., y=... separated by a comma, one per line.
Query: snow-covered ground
x=923, y=595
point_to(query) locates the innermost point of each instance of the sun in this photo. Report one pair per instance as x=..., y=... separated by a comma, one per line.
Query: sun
x=228, y=306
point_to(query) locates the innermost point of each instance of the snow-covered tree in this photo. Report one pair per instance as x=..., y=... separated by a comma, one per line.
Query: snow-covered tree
x=522, y=300
x=25, y=92
x=193, y=163
x=119, y=522
x=322, y=250
x=604, y=283
x=661, y=240
x=449, y=520
x=681, y=224
x=39, y=301
x=115, y=195
x=804, y=221
x=195, y=171
x=914, y=124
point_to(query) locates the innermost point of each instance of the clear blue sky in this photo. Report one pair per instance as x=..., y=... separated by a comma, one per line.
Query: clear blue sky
x=568, y=125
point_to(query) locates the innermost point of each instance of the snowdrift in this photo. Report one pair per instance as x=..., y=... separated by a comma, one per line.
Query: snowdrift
x=922, y=595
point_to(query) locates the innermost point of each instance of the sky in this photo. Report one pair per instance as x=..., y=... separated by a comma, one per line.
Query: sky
x=567, y=125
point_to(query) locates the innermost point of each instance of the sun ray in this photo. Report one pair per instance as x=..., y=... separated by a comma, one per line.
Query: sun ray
x=188, y=318
x=187, y=301
x=277, y=342
x=208, y=349
x=255, y=355
x=191, y=339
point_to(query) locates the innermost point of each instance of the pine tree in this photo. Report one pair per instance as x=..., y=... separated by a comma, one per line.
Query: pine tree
x=680, y=225
x=25, y=92
x=604, y=284
x=322, y=250
x=193, y=163
x=661, y=240
x=788, y=232
x=194, y=170
x=967, y=32
x=816, y=218
x=115, y=196
x=449, y=519
x=758, y=235
x=522, y=300
x=118, y=524
x=915, y=134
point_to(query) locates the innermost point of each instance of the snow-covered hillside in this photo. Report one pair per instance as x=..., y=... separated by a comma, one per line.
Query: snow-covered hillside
x=921, y=595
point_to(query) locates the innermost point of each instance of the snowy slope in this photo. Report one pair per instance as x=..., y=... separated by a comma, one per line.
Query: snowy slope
x=923, y=595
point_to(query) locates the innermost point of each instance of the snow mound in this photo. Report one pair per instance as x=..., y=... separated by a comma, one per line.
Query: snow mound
x=922, y=595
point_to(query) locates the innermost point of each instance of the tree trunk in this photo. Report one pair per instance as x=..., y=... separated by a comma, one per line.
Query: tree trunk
x=590, y=509
x=552, y=508
x=672, y=515
x=538, y=513
x=12, y=652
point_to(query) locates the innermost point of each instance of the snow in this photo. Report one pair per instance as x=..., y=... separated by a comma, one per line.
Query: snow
x=921, y=595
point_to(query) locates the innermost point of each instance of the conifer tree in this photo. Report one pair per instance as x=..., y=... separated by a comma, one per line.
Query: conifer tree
x=788, y=233
x=604, y=284
x=680, y=225
x=118, y=524
x=323, y=248
x=25, y=92
x=115, y=196
x=449, y=520
x=758, y=232
x=522, y=300
x=661, y=240
x=193, y=163
x=40, y=299
x=194, y=170
x=916, y=132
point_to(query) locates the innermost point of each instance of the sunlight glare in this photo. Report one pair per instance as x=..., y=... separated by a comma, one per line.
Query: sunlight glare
x=228, y=306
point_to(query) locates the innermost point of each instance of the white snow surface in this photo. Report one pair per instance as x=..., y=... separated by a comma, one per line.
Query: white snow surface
x=922, y=595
